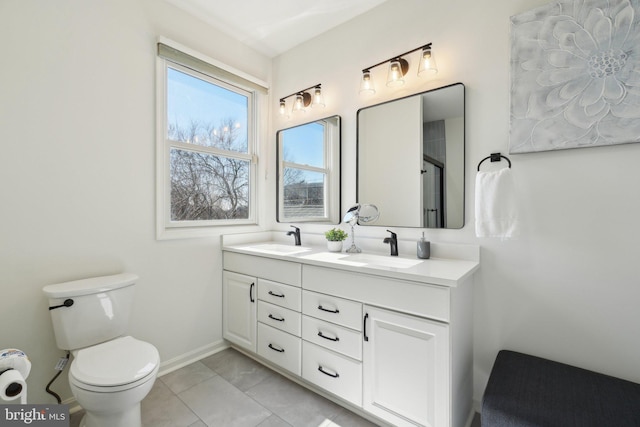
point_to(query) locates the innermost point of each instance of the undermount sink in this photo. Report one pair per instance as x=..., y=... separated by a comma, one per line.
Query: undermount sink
x=382, y=261
x=364, y=260
x=277, y=249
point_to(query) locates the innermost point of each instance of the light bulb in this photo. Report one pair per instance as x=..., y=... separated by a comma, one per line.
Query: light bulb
x=298, y=104
x=395, y=77
x=427, y=62
x=318, y=100
x=366, y=84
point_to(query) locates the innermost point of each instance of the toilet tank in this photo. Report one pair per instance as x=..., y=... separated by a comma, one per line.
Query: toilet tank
x=100, y=311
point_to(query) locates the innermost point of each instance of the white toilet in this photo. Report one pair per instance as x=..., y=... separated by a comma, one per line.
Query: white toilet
x=110, y=373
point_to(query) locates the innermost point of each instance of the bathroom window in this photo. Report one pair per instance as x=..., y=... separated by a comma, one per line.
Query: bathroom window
x=206, y=162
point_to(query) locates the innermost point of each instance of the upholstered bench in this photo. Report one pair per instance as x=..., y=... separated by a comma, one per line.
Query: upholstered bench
x=527, y=391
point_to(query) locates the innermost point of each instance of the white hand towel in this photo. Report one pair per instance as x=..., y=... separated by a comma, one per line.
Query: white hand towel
x=496, y=207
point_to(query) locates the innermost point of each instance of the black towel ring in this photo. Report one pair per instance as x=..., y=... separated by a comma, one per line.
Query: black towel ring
x=495, y=157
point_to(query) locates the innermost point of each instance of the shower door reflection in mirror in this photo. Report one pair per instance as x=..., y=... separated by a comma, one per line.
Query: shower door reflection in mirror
x=309, y=172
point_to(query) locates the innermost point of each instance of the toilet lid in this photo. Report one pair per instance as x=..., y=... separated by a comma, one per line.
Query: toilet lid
x=116, y=362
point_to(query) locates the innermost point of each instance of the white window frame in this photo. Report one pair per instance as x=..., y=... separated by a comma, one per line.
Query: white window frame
x=166, y=228
x=331, y=171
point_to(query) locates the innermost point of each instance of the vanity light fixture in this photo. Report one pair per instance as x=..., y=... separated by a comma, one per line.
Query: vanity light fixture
x=283, y=109
x=302, y=100
x=366, y=84
x=318, y=99
x=427, y=62
x=398, y=67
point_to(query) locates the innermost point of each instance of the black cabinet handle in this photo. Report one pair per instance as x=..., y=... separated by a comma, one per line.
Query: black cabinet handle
x=276, y=295
x=321, y=369
x=336, y=311
x=279, y=350
x=281, y=319
x=251, y=292
x=320, y=334
x=364, y=326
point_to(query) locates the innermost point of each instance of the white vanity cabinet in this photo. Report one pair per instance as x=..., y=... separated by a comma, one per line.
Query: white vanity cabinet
x=415, y=339
x=261, y=308
x=397, y=346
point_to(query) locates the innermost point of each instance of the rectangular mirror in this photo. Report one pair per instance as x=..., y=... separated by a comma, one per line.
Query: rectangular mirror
x=411, y=159
x=309, y=172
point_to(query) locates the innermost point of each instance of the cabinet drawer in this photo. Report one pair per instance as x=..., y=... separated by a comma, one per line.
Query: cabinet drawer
x=332, y=336
x=401, y=295
x=333, y=309
x=279, y=347
x=279, y=317
x=279, y=294
x=272, y=269
x=333, y=372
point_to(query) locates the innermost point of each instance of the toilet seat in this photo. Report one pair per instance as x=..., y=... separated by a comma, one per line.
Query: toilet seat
x=115, y=365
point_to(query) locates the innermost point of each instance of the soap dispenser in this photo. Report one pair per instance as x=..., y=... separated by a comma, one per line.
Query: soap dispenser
x=424, y=248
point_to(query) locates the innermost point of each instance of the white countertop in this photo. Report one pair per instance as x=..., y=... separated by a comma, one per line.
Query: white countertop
x=436, y=270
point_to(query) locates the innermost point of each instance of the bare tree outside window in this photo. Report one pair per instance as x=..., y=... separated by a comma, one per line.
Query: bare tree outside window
x=207, y=186
x=207, y=128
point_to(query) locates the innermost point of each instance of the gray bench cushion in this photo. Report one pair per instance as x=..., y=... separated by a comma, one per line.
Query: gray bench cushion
x=528, y=391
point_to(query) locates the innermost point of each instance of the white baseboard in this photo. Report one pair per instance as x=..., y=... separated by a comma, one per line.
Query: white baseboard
x=190, y=357
x=170, y=365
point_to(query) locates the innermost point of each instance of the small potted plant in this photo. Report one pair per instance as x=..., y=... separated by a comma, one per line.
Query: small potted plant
x=335, y=236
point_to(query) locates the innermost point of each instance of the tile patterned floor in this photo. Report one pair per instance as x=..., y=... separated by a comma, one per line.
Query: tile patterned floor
x=230, y=389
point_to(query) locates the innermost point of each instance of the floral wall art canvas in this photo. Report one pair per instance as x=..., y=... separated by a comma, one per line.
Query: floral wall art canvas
x=575, y=75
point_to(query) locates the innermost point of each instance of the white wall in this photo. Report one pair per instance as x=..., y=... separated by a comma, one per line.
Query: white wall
x=77, y=179
x=568, y=289
x=77, y=173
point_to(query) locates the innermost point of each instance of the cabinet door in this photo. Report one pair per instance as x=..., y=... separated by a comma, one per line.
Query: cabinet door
x=239, y=309
x=405, y=368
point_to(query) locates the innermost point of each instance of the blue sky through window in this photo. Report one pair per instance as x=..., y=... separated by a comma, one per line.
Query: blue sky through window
x=190, y=99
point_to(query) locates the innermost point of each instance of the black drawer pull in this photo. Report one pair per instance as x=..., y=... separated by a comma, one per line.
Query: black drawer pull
x=364, y=326
x=276, y=295
x=279, y=350
x=321, y=369
x=321, y=335
x=336, y=311
x=276, y=318
x=251, y=292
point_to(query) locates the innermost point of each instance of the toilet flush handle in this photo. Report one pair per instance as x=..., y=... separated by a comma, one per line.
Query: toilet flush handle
x=67, y=303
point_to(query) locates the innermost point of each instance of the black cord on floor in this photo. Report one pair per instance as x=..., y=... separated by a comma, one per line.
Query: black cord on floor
x=51, y=392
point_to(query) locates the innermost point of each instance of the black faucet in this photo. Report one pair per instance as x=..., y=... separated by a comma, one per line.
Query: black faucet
x=393, y=242
x=296, y=235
